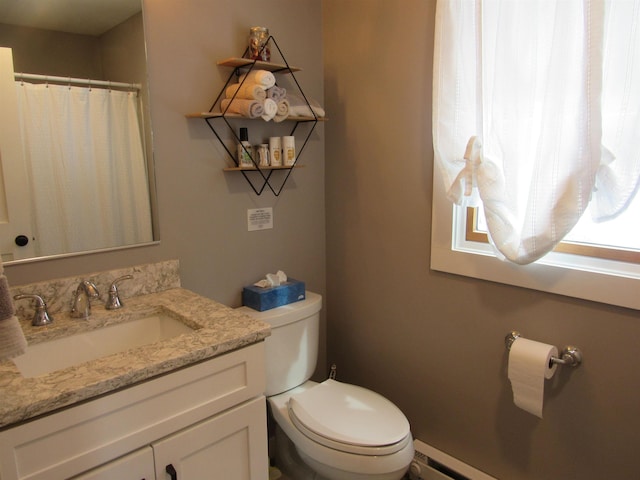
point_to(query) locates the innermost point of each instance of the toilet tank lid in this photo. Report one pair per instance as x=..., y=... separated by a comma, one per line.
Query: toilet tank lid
x=292, y=312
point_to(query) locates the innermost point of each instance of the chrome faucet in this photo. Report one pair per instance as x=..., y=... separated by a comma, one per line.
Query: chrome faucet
x=40, y=315
x=81, y=306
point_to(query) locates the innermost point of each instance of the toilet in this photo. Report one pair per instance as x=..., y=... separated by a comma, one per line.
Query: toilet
x=329, y=430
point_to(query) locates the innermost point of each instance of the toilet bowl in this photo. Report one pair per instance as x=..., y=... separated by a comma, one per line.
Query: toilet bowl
x=333, y=430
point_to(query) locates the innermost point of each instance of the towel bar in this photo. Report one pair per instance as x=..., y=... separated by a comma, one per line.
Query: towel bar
x=570, y=356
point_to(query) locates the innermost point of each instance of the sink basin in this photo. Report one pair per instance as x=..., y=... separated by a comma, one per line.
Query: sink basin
x=53, y=355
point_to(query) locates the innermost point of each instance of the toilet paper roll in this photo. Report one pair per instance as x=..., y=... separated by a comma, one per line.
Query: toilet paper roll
x=529, y=366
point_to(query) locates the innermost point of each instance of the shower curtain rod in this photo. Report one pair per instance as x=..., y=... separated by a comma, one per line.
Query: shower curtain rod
x=76, y=81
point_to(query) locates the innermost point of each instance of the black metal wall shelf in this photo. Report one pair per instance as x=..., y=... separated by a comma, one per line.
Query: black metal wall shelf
x=258, y=177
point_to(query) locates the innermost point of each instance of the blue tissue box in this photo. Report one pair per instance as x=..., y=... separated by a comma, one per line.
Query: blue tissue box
x=262, y=299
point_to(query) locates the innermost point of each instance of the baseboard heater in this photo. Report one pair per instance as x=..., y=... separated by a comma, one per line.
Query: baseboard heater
x=429, y=463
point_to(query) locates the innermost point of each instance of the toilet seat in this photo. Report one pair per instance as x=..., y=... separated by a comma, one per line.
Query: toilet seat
x=350, y=419
x=334, y=462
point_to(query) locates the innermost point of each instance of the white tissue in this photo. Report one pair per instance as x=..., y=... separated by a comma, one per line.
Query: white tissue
x=529, y=367
x=272, y=280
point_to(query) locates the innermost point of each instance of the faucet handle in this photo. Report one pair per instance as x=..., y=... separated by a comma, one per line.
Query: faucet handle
x=41, y=316
x=113, y=301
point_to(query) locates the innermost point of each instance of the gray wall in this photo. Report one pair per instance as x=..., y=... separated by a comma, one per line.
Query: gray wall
x=433, y=342
x=49, y=52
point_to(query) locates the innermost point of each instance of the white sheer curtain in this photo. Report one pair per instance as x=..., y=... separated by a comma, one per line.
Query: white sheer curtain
x=86, y=165
x=536, y=110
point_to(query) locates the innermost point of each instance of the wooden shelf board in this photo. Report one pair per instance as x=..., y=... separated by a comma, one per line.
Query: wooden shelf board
x=237, y=62
x=254, y=169
x=234, y=115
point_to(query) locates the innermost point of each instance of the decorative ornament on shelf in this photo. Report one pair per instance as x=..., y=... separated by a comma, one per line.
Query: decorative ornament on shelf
x=259, y=44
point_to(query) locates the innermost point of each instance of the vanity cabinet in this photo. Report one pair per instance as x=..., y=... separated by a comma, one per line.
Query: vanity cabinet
x=204, y=421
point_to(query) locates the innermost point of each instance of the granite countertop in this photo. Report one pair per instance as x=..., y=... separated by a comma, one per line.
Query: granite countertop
x=217, y=329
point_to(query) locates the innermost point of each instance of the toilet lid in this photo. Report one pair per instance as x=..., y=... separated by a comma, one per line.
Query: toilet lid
x=348, y=415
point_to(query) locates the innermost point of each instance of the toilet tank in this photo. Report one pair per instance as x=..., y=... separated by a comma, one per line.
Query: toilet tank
x=292, y=348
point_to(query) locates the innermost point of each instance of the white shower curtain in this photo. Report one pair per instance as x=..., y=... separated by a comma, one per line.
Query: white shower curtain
x=86, y=164
x=537, y=106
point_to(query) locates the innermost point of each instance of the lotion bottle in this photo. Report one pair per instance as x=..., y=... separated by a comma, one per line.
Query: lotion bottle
x=289, y=150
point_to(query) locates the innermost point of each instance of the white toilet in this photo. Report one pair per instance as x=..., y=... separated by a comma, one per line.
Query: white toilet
x=339, y=431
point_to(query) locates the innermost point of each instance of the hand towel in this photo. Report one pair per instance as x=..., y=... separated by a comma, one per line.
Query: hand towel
x=298, y=106
x=270, y=109
x=305, y=111
x=261, y=77
x=283, y=110
x=12, y=341
x=247, y=90
x=244, y=107
x=6, y=303
x=276, y=93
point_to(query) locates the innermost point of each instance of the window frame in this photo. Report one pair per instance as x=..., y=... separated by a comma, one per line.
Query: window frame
x=589, y=278
x=472, y=234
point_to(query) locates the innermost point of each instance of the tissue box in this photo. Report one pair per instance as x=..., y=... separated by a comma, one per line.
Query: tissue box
x=262, y=299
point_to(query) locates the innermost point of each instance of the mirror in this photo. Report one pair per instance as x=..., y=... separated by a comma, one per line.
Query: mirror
x=80, y=46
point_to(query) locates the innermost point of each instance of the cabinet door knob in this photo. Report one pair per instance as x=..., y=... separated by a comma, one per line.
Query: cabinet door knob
x=170, y=469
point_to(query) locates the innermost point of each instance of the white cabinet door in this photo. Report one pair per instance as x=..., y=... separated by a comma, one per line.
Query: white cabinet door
x=229, y=446
x=135, y=466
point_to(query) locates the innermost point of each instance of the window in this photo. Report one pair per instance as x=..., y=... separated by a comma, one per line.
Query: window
x=543, y=96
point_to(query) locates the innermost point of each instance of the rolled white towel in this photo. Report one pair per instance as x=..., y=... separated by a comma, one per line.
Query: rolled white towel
x=283, y=110
x=261, y=77
x=270, y=109
x=247, y=90
x=276, y=93
x=244, y=107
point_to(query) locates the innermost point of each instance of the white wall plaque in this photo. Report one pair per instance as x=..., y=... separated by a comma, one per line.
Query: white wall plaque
x=259, y=218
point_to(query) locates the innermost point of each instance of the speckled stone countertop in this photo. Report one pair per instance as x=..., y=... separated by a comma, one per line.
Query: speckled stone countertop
x=217, y=329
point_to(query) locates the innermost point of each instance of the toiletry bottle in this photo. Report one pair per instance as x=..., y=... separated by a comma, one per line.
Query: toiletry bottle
x=244, y=149
x=263, y=154
x=289, y=150
x=275, y=151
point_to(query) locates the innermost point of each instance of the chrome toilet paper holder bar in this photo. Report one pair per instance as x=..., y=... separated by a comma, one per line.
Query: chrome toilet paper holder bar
x=570, y=355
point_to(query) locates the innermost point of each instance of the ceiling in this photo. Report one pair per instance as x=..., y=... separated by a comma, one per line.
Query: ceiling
x=87, y=17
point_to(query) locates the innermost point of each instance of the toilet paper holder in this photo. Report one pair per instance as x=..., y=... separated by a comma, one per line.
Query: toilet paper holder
x=570, y=355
